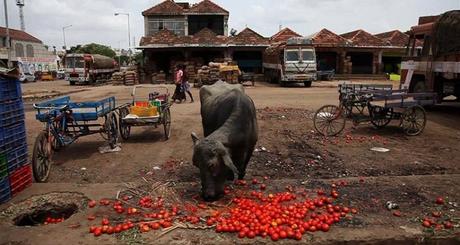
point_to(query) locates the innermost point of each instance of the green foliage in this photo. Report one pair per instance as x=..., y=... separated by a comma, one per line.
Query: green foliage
x=93, y=48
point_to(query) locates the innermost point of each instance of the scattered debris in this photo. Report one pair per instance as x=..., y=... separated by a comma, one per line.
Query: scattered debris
x=380, y=149
x=108, y=149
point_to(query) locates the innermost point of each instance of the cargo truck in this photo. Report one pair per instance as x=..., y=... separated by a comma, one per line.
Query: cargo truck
x=293, y=61
x=436, y=66
x=88, y=68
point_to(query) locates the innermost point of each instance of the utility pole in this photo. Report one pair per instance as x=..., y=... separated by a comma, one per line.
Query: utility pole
x=8, y=41
x=63, y=34
x=20, y=4
x=129, y=32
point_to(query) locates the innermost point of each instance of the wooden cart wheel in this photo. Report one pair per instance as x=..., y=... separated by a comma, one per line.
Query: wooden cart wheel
x=41, y=157
x=167, y=123
x=125, y=129
x=380, y=117
x=111, y=129
x=413, y=120
x=329, y=120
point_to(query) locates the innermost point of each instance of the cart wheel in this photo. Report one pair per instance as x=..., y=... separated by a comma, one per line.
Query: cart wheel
x=380, y=117
x=329, y=120
x=41, y=158
x=111, y=129
x=413, y=120
x=125, y=129
x=167, y=123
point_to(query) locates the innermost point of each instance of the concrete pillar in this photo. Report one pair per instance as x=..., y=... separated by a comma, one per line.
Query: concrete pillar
x=186, y=25
x=226, y=25
x=342, y=55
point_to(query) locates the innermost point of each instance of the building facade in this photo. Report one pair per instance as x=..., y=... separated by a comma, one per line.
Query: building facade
x=27, y=52
x=196, y=34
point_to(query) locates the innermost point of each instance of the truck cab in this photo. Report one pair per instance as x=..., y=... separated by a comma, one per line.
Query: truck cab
x=432, y=62
x=299, y=64
x=293, y=61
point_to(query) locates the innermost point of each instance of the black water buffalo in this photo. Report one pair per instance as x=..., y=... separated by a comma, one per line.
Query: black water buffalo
x=230, y=130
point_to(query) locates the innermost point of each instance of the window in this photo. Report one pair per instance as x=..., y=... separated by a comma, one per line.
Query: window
x=175, y=25
x=2, y=42
x=292, y=55
x=30, y=50
x=308, y=55
x=19, y=49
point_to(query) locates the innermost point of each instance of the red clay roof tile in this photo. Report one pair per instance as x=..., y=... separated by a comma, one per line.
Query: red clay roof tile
x=19, y=35
x=207, y=6
x=327, y=37
x=284, y=35
x=361, y=38
x=394, y=38
x=166, y=7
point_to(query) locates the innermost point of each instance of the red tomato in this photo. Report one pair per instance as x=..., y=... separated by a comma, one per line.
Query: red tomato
x=275, y=237
x=105, y=221
x=98, y=232
x=440, y=201
x=92, y=204
x=397, y=213
x=92, y=229
x=448, y=225
x=117, y=229
x=325, y=227
x=426, y=223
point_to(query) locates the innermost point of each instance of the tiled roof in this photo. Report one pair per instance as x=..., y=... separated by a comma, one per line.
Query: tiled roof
x=249, y=37
x=284, y=35
x=204, y=38
x=19, y=35
x=209, y=37
x=394, y=38
x=327, y=37
x=207, y=6
x=361, y=38
x=166, y=7
x=163, y=37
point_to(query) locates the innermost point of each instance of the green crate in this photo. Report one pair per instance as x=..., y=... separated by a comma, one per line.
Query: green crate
x=3, y=165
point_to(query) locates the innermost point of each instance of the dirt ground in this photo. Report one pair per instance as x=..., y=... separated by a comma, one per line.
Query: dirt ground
x=289, y=152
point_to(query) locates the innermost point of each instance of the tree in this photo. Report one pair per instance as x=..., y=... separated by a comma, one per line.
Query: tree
x=93, y=48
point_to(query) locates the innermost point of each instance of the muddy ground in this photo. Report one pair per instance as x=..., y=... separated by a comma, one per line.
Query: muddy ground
x=289, y=152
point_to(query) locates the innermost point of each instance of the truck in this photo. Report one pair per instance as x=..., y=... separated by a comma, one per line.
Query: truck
x=292, y=61
x=432, y=61
x=88, y=68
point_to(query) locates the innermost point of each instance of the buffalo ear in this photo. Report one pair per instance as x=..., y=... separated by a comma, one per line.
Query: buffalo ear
x=195, y=138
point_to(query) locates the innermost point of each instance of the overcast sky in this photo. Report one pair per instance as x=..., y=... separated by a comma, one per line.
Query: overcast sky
x=94, y=20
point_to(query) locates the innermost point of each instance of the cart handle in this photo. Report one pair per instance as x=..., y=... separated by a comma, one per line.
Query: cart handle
x=49, y=107
x=148, y=86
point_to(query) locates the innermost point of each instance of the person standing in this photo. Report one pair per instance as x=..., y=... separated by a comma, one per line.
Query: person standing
x=179, y=93
x=186, y=85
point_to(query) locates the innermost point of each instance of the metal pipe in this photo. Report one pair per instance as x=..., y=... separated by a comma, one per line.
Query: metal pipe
x=8, y=41
x=63, y=34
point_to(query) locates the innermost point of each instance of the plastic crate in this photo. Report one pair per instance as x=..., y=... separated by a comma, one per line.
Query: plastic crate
x=5, y=193
x=10, y=89
x=11, y=112
x=20, y=179
x=3, y=165
x=16, y=158
x=12, y=136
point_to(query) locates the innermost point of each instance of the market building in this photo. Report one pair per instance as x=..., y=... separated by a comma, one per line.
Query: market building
x=196, y=34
